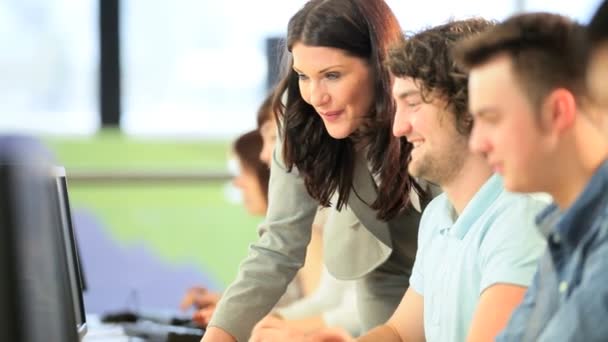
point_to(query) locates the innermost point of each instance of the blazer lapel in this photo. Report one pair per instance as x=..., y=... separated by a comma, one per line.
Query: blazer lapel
x=362, y=195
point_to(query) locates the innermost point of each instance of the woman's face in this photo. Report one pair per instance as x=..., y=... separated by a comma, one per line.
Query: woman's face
x=338, y=86
x=268, y=131
x=253, y=196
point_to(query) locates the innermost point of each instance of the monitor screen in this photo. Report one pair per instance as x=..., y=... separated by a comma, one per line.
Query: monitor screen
x=35, y=301
x=71, y=250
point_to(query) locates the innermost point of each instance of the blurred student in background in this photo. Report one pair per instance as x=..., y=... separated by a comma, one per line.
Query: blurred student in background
x=251, y=177
x=251, y=174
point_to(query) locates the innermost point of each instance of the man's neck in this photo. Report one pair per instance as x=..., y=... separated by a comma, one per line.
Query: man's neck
x=582, y=153
x=462, y=188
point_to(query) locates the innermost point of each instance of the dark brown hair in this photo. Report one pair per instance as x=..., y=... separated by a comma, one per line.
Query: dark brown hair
x=247, y=148
x=364, y=29
x=264, y=110
x=547, y=51
x=426, y=56
x=598, y=26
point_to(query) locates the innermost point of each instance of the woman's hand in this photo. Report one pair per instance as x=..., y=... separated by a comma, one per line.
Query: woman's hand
x=273, y=328
x=331, y=335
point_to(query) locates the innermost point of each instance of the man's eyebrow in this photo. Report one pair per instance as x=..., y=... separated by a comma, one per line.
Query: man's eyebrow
x=483, y=112
x=404, y=94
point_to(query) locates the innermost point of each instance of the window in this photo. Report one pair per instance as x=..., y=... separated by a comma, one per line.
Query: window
x=49, y=66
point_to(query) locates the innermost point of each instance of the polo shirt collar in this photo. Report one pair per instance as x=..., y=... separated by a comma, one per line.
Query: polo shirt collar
x=483, y=199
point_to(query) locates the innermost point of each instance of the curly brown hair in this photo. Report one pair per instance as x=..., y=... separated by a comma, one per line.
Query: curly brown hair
x=547, y=51
x=426, y=56
x=364, y=29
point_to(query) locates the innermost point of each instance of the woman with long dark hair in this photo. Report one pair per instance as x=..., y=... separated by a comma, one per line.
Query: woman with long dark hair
x=336, y=149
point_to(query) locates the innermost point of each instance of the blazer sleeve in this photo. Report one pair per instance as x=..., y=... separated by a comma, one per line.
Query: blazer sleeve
x=275, y=258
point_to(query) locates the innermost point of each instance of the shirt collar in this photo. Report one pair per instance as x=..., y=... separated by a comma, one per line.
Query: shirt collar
x=481, y=201
x=547, y=219
x=577, y=220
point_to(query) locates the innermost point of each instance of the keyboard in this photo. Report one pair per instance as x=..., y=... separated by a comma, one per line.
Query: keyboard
x=154, y=332
x=139, y=330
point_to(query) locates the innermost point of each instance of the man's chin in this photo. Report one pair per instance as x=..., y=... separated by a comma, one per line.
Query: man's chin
x=415, y=171
x=515, y=184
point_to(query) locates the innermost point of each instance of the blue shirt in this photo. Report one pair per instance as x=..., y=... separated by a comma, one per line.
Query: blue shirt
x=568, y=300
x=491, y=242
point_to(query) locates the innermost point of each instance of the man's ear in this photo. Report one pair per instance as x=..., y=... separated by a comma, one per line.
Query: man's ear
x=558, y=112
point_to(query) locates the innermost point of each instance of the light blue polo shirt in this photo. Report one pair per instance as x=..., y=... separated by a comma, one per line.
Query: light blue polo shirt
x=493, y=241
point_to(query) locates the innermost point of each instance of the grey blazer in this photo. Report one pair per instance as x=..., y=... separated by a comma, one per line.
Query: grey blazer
x=379, y=254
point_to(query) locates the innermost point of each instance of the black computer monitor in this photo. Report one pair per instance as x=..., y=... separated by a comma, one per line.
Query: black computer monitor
x=35, y=299
x=71, y=250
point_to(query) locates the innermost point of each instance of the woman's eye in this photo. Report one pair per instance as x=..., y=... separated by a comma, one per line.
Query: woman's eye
x=302, y=77
x=332, y=75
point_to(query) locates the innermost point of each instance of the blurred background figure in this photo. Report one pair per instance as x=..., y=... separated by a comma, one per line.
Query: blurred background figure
x=251, y=176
